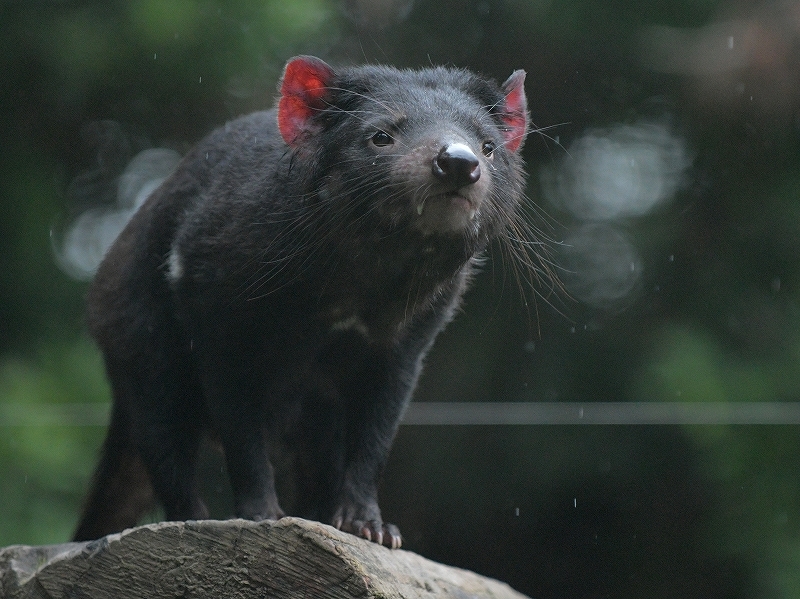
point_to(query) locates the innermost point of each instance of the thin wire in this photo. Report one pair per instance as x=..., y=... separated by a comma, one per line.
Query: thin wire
x=485, y=413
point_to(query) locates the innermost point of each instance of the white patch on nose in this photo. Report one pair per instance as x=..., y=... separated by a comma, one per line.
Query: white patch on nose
x=457, y=146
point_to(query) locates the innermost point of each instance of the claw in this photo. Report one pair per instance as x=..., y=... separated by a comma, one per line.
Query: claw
x=393, y=538
x=366, y=533
x=373, y=530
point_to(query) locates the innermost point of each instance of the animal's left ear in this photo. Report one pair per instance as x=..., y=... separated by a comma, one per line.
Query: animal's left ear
x=514, y=113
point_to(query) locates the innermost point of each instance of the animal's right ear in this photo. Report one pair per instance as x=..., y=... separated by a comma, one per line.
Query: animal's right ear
x=303, y=88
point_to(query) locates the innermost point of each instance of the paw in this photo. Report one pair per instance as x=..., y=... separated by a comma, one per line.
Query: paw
x=258, y=510
x=359, y=523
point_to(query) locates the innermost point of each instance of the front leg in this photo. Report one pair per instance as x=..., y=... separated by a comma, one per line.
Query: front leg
x=372, y=421
x=374, y=400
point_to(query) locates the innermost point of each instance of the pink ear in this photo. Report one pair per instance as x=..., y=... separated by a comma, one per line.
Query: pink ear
x=515, y=111
x=303, y=89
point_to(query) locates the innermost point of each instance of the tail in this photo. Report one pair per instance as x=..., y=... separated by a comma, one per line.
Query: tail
x=121, y=489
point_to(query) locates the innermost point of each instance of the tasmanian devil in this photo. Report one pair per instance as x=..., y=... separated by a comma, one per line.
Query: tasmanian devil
x=291, y=274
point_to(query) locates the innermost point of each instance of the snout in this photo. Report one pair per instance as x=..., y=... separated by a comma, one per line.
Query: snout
x=456, y=165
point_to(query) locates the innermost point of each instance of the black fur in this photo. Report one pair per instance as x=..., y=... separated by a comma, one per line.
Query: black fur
x=265, y=286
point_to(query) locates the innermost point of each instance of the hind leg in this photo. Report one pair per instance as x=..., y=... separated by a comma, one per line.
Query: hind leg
x=167, y=430
x=169, y=452
x=239, y=414
x=163, y=427
x=250, y=471
x=150, y=453
x=320, y=455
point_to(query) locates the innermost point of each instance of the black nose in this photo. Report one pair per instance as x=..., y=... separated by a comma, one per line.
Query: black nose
x=457, y=165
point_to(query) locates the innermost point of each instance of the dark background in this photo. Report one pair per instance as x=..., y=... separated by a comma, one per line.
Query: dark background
x=668, y=165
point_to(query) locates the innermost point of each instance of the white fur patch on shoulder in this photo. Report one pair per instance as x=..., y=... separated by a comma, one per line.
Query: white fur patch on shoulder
x=352, y=323
x=175, y=264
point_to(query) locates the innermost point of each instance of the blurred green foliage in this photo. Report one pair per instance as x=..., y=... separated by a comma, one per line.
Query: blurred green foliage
x=694, y=511
x=46, y=463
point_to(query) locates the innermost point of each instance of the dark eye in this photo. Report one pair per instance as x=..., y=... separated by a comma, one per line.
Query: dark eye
x=488, y=148
x=382, y=139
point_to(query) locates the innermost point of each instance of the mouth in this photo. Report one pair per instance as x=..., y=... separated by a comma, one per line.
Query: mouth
x=446, y=213
x=449, y=201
